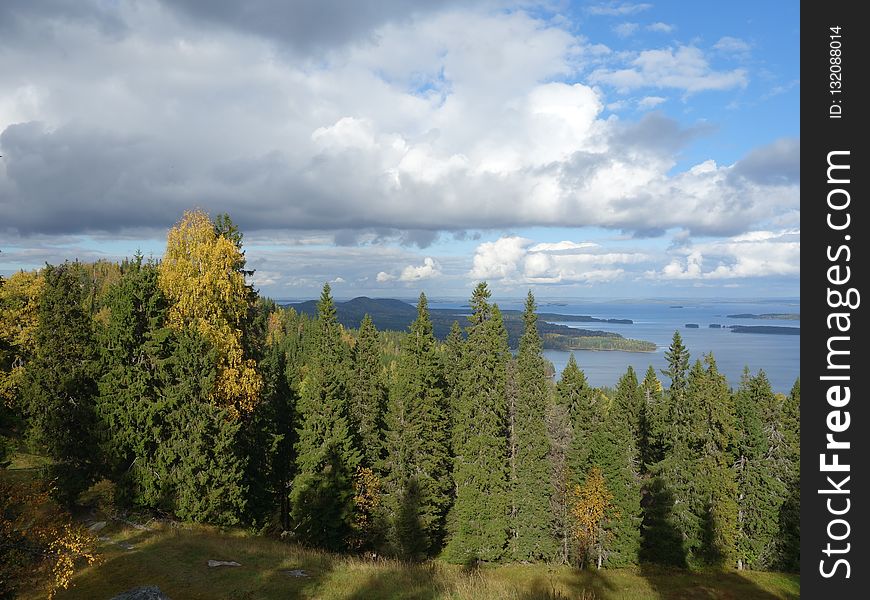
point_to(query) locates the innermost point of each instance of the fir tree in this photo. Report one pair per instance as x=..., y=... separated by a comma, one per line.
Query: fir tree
x=629, y=402
x=530, y=515
x=326, y=457
x=368, y=393
x=653, y=423
x=60, y=387
x=479, y=515
x=418, y=457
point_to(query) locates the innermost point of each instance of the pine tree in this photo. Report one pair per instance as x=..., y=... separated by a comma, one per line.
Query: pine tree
x=368, y=394
x=326, y=457
x=60, y=387
x=479, y=519
x=673, y=413
x=418, y=457
x=531, y=491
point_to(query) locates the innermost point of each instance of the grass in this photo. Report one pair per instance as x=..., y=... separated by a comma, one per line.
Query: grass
x=174, y=557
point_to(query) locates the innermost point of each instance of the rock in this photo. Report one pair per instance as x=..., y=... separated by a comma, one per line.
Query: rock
x=297, y=573
x=223, y=563
x=150, y=592
x=98, y=526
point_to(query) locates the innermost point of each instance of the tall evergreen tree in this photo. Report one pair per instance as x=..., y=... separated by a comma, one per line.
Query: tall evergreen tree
x=326, y=457
x=418, y=457
x=760, y=490
x=629, y=402
x=653, y=421
x=199, y=463
x=368, y=394
x=788, y=555
x=531, y=537
x=134, y=348
x=479, y=519
x=60, y=386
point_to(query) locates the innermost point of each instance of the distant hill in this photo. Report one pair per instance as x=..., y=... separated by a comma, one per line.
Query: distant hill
x=768, y=329
x=397, y=315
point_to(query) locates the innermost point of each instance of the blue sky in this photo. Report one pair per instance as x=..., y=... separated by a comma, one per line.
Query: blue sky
x=581, y=149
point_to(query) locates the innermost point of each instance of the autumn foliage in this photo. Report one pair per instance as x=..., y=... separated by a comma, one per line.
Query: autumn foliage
x=201, y=275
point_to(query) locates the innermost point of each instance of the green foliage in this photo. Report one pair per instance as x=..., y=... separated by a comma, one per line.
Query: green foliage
x=418, y=454
x=326, y=457
x=368, y=393
x=479, y=519
x=531, y=535
x=60, y=386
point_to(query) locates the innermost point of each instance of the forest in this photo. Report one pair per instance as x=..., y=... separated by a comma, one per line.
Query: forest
x=174, y=385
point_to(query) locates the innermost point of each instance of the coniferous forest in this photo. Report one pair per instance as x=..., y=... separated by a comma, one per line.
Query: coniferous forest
x=175, y=385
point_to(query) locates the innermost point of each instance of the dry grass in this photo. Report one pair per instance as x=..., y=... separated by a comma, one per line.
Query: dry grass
x=174, y=558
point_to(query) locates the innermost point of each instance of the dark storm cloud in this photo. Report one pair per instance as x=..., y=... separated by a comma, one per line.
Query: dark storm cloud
x=305, y=25
x=775, y=164
x=18, y=17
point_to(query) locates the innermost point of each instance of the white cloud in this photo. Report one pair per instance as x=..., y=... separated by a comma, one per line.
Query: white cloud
x=650, y=102
x=498, y=259
x=685, y=68
x=660, y=27
x=515, y=260
x=563, y=245
x=732, y=45
x=614, y=9
x=625, y=30
x=752, y=255
x=429, y=269
x=384, y=277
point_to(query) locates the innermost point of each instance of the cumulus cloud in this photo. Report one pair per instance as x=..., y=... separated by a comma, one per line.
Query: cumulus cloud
x=517, y=260
x=489, y=124
x=752, y=255
x=429, y=269
x=683, y=68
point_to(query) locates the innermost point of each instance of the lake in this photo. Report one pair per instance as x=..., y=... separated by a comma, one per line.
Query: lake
x=656, y=321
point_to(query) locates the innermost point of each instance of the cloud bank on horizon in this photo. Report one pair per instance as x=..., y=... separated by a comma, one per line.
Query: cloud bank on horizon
x=611, y=148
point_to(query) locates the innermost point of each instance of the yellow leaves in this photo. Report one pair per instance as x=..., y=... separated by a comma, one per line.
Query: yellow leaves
x=71, y=546
x=199, y=274
x=19, y=318
x=366, y=500
x=47, y=537
x=590, y=505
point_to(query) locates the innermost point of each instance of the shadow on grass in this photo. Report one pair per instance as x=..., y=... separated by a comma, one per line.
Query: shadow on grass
x=177, y=562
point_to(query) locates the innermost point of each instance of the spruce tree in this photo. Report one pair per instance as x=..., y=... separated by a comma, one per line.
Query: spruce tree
x=531, y=537
x=479, y=519
x=788, y=551
x=760, y=490
x=368, y=394
x=60, y=387
x=326, y=457
x=629, y=402
x=418, y=457
x=653, y=423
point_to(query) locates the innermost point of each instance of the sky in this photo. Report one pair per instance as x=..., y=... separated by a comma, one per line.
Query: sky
x=579, y=149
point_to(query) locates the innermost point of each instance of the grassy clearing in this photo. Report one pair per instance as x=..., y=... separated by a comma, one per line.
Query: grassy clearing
x=175, y=557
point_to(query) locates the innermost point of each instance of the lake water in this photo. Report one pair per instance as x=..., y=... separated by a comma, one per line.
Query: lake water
x=778, y=355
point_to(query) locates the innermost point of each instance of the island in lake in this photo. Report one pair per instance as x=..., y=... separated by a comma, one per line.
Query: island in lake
x=768, y=316
x=768, y=329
